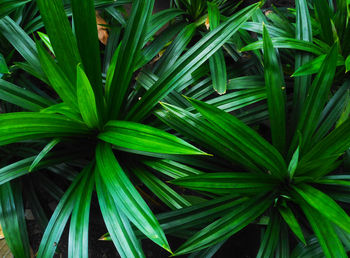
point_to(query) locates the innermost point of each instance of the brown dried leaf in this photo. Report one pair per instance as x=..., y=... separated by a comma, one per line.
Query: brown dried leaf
x=101, y=29
x=1, y=233
x=207, y=23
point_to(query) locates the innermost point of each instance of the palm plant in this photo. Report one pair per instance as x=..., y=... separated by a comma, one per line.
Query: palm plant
x=103, y=122
x=289, y=180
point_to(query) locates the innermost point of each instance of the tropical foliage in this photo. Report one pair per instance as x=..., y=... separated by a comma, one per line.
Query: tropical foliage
x=229, y=115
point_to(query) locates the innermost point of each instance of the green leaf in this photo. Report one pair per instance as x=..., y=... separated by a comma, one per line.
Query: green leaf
x=37, y=125
x=86, y=99
x=289, y=43
x=324, y=205
x=46, y=41
x=246, y=140
x=126, y=196
x=117, y=223
x=12, y=219
x=87, y=39
x=189, y=62
x=63, y=109
x=160, y=189
x=111, y=69
x=203, y=133
x=316, y=99
x=226, y=226
x=270, y=239
x=20, y=168
x=139, y=138
x=61, y=215
x=229, y=182
x=43, y=153
x=347, y=64
x=58, y=78
x=86, y=34
x=323, y=14
x=328, y=149
x=159, y=19
x=7, y=6
x=21, y=42
x=171, y=168
x=314, y=66
x=333, y=111
x=303, y=31
x=276, y=98
x=3, y=65
x=61, y=36
x=21, y=97
x=131, y=45
x=246, y=82
x=288, y=216
x=174, y=51
x=36, y=207
x=79, y=224
x=324, y=230
x=153, y=49
x=217, y=61
x=293, y=164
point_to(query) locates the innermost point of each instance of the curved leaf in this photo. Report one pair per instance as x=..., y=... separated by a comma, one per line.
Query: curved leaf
x=135, y=137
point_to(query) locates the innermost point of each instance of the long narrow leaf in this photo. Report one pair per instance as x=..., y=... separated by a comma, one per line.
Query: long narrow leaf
x=126, y=196
x=275, y=88
x=142, y=138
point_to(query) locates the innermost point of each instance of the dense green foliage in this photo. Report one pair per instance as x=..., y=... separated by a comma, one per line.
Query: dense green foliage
x=229, y=115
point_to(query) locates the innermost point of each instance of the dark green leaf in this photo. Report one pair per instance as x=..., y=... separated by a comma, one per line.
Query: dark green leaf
x=7, y=6
x=217, y=61
x=3, y=65
x=316, y=99
x=21, y=97
x=61, y=36
x=61, y=215
x=270, y=239
x=189, y=62
x=289, y=218
x=229, y=182
x=276, y=98
x=324, y=230
x=131, y=45
x=160, y=189
x=12, y=219
x=226, y=226
x=86, y=34
x=21, y=42
x=79, y=223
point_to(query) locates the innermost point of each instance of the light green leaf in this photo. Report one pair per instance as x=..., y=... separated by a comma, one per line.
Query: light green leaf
x=43, y=153
x=86, y=100
x=139, y=138
x=117, y=223
x=126, y=196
